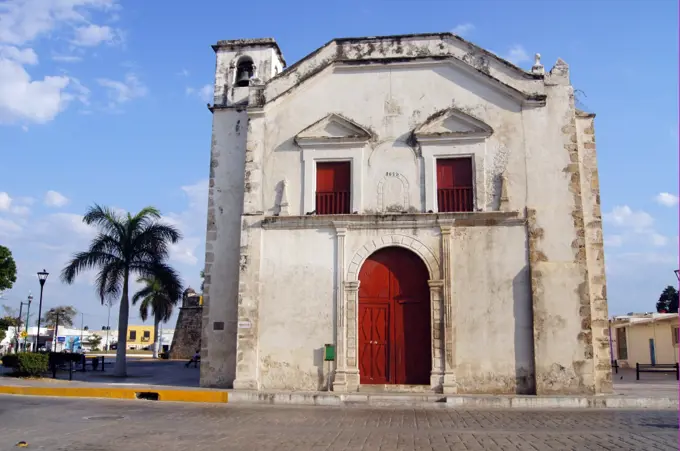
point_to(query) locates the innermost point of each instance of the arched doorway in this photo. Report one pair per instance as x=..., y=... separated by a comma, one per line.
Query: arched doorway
x=394, y=319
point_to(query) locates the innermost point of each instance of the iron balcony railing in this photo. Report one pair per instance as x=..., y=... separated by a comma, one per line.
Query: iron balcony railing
x=454, y=199
x=332, y=203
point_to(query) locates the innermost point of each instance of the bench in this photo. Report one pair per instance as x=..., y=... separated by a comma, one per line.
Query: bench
x=657, y=368
x=71, y=366
x=95, y=362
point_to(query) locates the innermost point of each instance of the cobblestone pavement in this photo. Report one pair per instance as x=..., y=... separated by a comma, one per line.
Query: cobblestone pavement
x=106, y=425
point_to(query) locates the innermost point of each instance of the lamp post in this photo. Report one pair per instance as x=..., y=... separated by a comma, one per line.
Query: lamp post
x=42, y=277
x=18, y=328
x=28, y=315
x=677, y=274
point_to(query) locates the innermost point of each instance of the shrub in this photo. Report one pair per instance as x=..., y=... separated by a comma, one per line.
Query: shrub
x=27, y=363
x=32, y=364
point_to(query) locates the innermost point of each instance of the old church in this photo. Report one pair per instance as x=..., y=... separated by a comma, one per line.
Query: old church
x=428, y=209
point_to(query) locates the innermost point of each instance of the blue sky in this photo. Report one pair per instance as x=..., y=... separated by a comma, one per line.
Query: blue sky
x=105, y=101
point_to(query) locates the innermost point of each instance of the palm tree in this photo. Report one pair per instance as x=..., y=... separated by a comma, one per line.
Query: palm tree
x=156, y=298
x=126, y=245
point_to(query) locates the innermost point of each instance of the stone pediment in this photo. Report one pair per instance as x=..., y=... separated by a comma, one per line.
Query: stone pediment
x=451, y=124
x=334, y=129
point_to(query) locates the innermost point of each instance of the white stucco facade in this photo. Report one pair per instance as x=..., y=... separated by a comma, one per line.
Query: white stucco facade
x=517, y=299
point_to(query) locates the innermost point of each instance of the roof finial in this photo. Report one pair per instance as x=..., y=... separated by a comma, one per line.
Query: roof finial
x=538, y=68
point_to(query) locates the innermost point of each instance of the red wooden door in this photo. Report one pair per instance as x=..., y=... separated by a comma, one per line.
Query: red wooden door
x=394, y=319
x=374, y=343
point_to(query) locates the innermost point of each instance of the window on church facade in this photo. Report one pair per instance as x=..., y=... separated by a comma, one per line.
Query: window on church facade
x=454, y=184
x=333, y=180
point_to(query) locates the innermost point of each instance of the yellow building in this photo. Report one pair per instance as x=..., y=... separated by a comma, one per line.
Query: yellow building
x=139, y=337
x=646, y=338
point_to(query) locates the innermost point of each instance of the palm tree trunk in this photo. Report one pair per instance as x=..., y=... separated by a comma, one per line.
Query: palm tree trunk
x=120, y=369
x=156, y=321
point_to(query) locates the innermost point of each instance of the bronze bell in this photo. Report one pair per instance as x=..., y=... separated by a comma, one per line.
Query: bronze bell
x=243, y=78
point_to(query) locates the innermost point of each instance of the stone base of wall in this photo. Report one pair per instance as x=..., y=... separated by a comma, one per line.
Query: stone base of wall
x=187, y=338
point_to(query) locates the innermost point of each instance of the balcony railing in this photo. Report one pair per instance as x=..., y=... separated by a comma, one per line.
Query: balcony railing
x=146, y=338
x=454, y=199
x=332, y=203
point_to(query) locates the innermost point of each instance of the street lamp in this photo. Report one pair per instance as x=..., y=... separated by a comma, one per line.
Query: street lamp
x=42, y=277
x=18, y=328
x=28, y=312
x=677, y=274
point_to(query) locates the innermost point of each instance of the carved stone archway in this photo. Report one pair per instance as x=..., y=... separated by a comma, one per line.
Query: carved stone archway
x=347, y=369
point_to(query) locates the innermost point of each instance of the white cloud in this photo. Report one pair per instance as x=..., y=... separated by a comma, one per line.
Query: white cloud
x=5, y=201
x=463, y=29
x=21, y=210
x=658, y=239
x=8, y=227
x=55, y=199
x=191, y=223
x=93, y=35
x=21, y=56
x=26, y=20
x=183, y=73
x=666, y=199
x=613, y=240
x=518, y=54
x=67, y=58
x=22, y=98
x=123, y=91
x=625, y=217
x=204, y=93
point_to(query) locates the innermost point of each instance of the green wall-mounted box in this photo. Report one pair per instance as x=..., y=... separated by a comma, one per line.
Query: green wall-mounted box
x=328, y=353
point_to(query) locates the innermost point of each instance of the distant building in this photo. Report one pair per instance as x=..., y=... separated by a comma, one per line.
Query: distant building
x=646, y=338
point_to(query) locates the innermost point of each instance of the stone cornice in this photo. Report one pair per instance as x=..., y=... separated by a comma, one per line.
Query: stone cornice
x=394, y=221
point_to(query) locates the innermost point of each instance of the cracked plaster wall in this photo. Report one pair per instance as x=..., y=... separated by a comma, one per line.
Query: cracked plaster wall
x=533, y=150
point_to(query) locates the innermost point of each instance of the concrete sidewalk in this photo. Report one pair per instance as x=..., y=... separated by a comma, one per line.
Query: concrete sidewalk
x=171, y=381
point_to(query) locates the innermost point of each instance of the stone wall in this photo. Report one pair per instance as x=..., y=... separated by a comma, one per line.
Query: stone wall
x=187, y=337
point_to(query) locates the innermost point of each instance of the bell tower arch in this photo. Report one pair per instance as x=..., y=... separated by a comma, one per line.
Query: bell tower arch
x=242, y=63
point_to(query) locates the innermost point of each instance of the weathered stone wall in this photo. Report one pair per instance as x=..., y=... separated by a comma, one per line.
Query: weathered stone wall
x=517, y=288
x=225, y=204
x=597, y=283
x=187, y=337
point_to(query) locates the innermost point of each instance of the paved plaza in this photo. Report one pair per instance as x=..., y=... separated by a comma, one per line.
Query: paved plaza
x=103, y=425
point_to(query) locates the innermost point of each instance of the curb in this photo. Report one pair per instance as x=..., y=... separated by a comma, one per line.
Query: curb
x=349, y=399
x=196, y=396
x=453, y=402
x=564, y=402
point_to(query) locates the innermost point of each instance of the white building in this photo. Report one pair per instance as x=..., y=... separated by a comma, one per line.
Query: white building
x=429, y=209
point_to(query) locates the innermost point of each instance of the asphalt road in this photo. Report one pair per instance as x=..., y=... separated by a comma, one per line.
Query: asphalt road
x=106, y=425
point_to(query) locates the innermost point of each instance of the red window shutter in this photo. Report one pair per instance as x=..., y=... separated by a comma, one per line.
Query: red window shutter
x=333, y=187
x=454, y=184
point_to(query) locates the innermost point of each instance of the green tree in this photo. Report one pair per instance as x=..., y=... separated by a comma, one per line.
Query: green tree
x=126, y=245
x=93, y=341
x=8, y=269
x=61, y=316
x=160, y=301
x=668, y=301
